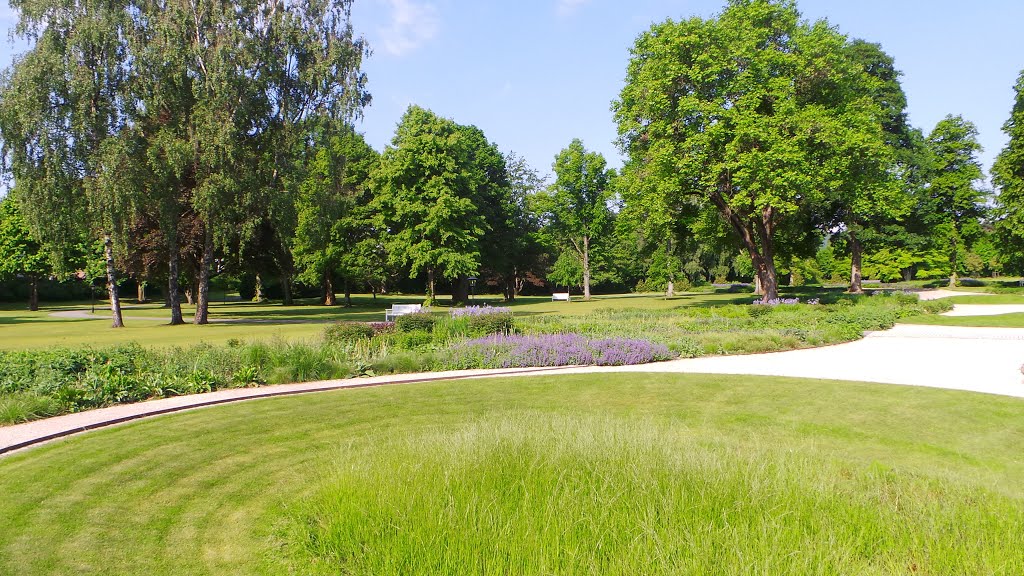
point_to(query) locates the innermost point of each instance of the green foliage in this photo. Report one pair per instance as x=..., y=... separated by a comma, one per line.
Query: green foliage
x=576, y=210
x=335, y=230
x=1008, y=177
x=19, y=407
x=348, y=332
x=756, y=113
x=959, y=201
x=432, y=194
x=417, y=322
x=745, y=328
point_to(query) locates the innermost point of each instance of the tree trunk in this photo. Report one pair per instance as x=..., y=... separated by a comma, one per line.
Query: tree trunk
x=286, y=290
x=670, y=291
x=586, y=268
x=173, y=297
x=192, y=291
x=33, y=293
x=460, y=293
x=430, y=287
x=327, y=286
x=258, y=295
x=856, y=251
x=140, y=292
x=348, y=294
x=952, y=265
x=769, y=279
x=205, y=268
x=758, y=290
x=373, y=291
x=115, y=299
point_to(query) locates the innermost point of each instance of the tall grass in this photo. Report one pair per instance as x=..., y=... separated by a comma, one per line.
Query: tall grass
x=535, y=493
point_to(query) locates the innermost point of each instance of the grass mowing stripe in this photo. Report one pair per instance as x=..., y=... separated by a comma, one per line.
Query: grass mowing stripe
x=865, y=477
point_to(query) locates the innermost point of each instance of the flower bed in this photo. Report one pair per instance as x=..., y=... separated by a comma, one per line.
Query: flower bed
x=517, y=351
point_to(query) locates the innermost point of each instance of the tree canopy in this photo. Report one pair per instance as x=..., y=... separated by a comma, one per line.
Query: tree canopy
x=755, y=111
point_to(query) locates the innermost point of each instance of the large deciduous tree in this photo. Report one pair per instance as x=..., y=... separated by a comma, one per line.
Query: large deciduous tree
x=874, y=192
x=62, y=115
x=754, y=111
x=333, y=215
x=426, y=198
x=1008, y=177
x=577, y=208
x=954, y=186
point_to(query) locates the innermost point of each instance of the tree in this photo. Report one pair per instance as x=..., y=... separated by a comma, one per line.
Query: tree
x=576, y=209
x=20, y=254
x=954, y=189
x=229, y=95
x=873, y=194
x=332, y=214
x=1008, y=177
x=523, y=247
x=753, y=111
x=62, y=112
x=424, y=196
x=657, y=220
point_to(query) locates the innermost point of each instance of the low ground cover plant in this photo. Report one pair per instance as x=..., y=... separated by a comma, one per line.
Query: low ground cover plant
x=37, y=384
x=517, y=351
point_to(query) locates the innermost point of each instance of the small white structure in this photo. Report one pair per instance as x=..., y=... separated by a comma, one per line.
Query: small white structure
x=397, y=310
x=560, y=297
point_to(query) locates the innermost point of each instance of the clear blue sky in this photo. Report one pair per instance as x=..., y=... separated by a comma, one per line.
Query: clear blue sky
x=534, y=74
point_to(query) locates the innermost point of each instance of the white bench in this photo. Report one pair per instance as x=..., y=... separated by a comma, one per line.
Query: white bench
x=560, y=297
x=401, y=310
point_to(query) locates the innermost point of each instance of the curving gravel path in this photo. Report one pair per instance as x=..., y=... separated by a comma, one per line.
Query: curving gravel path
x=984, y=360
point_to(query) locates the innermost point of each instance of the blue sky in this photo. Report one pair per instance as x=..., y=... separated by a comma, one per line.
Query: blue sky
x=534, y=74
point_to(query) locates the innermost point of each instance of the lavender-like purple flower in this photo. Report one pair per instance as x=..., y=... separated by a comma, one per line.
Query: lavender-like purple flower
x=518, y=351
x=777, y=301
x=478, y=311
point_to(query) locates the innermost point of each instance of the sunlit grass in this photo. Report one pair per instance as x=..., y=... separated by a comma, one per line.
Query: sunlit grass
x=621, y=474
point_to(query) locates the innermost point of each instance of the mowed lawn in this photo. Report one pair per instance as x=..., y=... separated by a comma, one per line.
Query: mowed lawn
x=617, y=474
x=147, y=324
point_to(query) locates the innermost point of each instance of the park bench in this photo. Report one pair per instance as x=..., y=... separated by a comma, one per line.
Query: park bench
x=401, y=310
x=560, y=297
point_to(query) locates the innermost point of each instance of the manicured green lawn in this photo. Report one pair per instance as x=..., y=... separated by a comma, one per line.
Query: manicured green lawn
x=616, y=474
x=21, y=329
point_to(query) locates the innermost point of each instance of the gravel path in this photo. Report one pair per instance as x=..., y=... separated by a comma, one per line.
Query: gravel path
x=984, y=309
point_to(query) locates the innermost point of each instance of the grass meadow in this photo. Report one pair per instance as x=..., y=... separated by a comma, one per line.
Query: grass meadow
x=625, y=474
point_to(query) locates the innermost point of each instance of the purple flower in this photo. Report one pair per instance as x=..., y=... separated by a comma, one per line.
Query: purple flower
x=478, y=311
x=517, y=351
x=777, y=301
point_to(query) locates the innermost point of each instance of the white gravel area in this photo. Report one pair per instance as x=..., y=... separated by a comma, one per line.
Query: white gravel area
x=943, y=293
x=984, y=309
x=960, y=358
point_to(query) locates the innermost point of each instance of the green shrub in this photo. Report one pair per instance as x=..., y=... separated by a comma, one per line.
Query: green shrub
x=486, y=324
x=759, y=310
x=347, y=332
x=413, y=340
x=417, y=322
x=25, y=406
x=404, y=363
